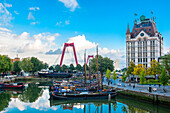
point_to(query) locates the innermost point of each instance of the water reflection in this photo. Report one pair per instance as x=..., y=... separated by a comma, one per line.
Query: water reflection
x=35, y=99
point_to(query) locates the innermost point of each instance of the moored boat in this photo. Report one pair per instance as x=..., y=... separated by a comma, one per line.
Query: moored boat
x=14, y=85
x=55, y=74
x=82, y=95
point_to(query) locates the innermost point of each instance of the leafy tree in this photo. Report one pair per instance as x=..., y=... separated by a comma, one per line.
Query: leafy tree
x=164, y=78
x=5, y=99
x=51, y=68
x=138, y=69
x=5, y=64
x=16, y=67
x=130, y=68
x=37, y=64
x=71, y=68
x=87, y=67
x=57, y=68
x=155, y=68
x=115, y=106
x=31, y=93
x=124, y=109
x=108, y=74
x=114, y=76
x=64, y=68
x=26, y=65
x=124, y=77
x=166, y=62
x=142, y=77
x=45, y=66
x=103, y=64
x=78, y=67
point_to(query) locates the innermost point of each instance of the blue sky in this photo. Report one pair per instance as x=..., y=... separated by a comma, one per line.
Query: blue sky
x=101, y=21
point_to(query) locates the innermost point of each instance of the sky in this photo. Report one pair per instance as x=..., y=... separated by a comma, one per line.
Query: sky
x=40, y=27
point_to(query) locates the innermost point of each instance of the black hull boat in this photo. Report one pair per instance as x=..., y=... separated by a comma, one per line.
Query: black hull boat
x=55, y=75
x=82, y=96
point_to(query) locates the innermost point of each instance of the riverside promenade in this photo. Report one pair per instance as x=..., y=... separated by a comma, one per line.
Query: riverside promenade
x=156, y=95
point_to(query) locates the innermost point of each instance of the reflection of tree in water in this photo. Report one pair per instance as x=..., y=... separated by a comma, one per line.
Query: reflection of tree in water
x=124, y=109
x=31, y=94
x=115, y=106
x=4, y=100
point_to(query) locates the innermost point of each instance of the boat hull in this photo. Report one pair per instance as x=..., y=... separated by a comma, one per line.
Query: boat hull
x=14, y=87
x=80, y=97
x=55, y=75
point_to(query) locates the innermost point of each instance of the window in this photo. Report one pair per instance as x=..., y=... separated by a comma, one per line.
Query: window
x=135, y=30
x=135, y=34
x=144, y=29
x=149, y=33
x=149, y=29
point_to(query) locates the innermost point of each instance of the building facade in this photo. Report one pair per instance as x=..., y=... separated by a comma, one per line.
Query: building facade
x=144, y=43
x=116, y=64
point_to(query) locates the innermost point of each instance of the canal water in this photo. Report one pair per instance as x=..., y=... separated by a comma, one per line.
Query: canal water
x=35, y=98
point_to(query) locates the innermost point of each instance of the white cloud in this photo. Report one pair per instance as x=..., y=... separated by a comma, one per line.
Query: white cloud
x=33, y=23
x=58, y=23
x=72, y=4
x=7, y=5
x=166, y=50
x=16, y=12
x=4, y=29
x=30, y=16
x=34, y=8
x=67, y=22
x=5, y=16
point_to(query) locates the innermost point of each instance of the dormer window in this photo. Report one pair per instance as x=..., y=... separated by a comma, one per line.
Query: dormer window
x=135, y=34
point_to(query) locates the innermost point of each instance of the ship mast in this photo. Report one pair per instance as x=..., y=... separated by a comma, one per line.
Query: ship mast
x=97, y=70
x=85, y=68
x=89, y=74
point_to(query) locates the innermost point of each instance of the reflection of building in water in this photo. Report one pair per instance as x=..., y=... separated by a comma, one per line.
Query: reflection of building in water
x=116, y=64
x=67, y=106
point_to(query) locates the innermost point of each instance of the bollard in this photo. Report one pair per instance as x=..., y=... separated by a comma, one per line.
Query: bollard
x=109, y=97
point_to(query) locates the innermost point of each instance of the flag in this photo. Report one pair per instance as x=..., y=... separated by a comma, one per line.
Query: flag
x=136, y=14
x=151, y=12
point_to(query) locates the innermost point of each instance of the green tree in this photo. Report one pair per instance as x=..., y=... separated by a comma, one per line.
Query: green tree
x=78, y=67
x=108, y=74
x=71, y=68
x=155, y=68
x=45, y=66
x=37, y=64
x=26, y=65
x=164, y=78
x=138, y=69
x=124, y=109
x=115, y=106
x=103, y=64
x=31, y=93
x=166, y=62
x=57, y=68
x=124, y=77
x=114, y=76
x=16, y=67
x=51, y=68
x=142, y=77
x=5, y=99
x=130, y=68
x=64, y=68
x=5, y=64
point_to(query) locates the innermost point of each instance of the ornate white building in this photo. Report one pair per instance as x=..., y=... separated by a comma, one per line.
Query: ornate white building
x=144, y=43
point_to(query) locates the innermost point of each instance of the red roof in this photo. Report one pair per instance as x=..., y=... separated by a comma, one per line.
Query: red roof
x=128, y=30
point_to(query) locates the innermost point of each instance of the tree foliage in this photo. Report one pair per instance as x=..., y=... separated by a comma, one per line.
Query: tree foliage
x=166, y=61
x=64, y=68
x=71, y=67
x=57, y=68
x=5, y=64
x=155, y=68
x=103, y=64
x=142, y=77
x=108, y=74
x=130, y=68
x=26, y=65
x=138, y=69
x=37, y=64
x=78, y=67
x=51, y=68
x=16, y=67
x=164, y=78
x=45, y=66
x=124, y=77
x=114, y=75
